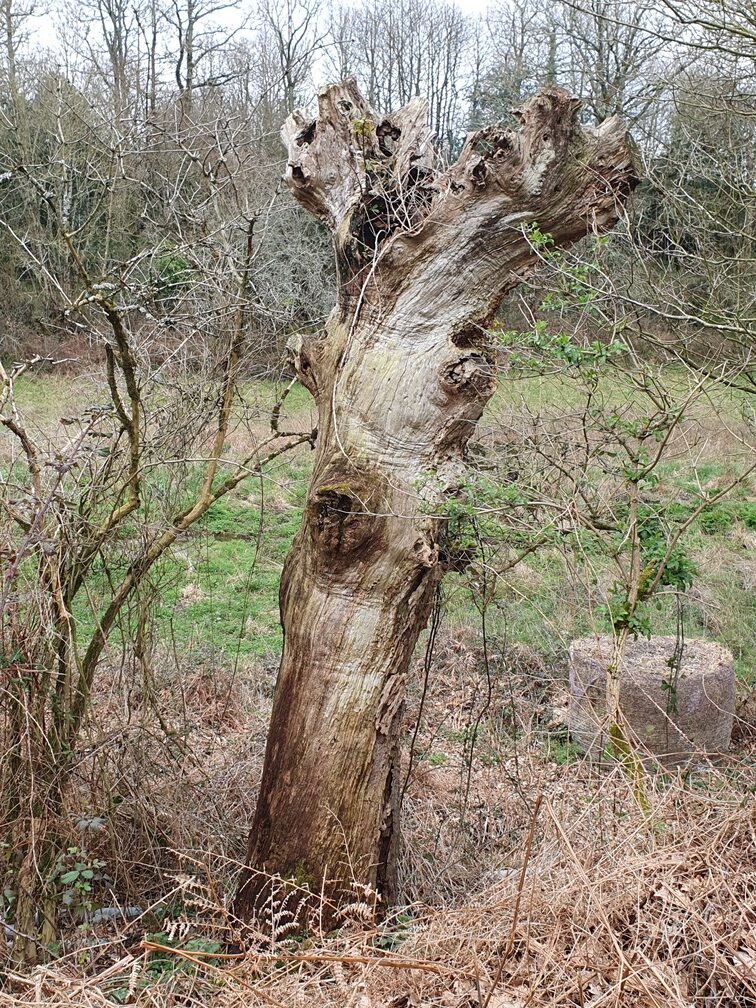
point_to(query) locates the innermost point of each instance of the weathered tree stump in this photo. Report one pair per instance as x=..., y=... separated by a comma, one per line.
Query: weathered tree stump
x=401, y=374
x=674, y=710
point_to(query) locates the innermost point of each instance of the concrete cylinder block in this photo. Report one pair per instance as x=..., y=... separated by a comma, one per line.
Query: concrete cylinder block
x=675, y=714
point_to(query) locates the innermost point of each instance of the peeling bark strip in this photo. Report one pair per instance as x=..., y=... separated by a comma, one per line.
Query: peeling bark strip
x=401, y=376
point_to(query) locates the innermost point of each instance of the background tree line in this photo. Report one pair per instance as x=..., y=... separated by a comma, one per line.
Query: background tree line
x=119, y=132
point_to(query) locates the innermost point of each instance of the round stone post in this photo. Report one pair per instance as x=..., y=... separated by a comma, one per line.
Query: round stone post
x=673, y=710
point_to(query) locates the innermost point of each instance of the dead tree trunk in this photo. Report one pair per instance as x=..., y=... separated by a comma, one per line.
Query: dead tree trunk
x=401, y=375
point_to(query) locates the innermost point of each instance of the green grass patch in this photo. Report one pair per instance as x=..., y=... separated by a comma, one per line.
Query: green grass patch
x=218, y=588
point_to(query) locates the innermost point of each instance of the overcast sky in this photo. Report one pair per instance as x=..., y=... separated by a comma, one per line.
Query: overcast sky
x=46, y=25
x=472, y=6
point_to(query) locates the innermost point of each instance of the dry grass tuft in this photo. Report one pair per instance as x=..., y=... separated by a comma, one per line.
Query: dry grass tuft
x=604, y=905
x=532, y=879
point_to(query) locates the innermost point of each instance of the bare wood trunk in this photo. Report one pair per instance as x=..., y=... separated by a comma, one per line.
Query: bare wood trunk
x=401, y=376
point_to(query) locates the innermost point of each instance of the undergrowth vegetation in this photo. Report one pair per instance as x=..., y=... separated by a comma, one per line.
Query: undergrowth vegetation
x=528, y=876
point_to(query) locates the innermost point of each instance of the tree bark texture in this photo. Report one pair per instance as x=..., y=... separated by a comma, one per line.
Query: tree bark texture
x=400, y=375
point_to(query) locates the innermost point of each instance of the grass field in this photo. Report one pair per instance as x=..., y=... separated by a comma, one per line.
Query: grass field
x=218, y=589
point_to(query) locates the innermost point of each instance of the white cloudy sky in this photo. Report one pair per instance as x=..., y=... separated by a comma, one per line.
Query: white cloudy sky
x=472, y=6
x=46, y=25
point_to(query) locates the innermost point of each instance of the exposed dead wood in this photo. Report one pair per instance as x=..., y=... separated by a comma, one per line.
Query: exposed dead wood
x=400, y=376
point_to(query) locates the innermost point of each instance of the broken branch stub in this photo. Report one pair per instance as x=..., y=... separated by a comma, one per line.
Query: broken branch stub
x=377, y=183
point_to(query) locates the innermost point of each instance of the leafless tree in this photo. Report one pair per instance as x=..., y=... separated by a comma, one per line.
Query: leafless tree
x=88, y=510
x=291, y=29
x=407, y=50
x=196, y=41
